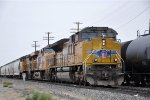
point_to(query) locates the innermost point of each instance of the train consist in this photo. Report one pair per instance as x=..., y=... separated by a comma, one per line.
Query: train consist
x=136, y=55
x=91, y=56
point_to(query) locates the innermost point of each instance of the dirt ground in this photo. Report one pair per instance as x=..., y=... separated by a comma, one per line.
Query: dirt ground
x=19, y=90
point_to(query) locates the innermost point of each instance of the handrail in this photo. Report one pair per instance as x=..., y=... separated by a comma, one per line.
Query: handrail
x=84, y=64
x=122, y=61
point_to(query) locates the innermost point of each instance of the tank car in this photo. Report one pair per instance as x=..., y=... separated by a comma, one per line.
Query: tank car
x=137, y=61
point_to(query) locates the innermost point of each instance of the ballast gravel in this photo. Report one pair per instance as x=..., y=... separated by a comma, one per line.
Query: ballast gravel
x=22, y=89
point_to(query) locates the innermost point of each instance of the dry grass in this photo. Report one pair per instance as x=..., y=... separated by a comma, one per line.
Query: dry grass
x=39, y=96
x=7, y=84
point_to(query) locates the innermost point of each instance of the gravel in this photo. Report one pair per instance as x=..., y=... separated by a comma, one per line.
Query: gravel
x=72, y=93
x=68, y=93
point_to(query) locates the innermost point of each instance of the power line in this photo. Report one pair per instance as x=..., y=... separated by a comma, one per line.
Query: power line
x=111, y=13
x=133, y=18
x=35, y=45
x=48, y=37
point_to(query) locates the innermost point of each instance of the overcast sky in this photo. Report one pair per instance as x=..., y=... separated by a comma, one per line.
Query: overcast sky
x=23, y=21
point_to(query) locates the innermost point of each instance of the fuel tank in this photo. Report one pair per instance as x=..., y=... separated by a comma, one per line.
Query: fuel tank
x=138, y=54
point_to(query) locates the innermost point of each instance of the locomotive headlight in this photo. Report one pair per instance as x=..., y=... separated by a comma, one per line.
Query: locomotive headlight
x=95, y=59
x=103, y=42
x=115, y=59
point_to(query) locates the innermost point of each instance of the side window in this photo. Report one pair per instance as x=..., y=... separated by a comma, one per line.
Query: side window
x=39, y=60
x=69, y=49
x=72, y=38
x=72, y=48
x=76, y=38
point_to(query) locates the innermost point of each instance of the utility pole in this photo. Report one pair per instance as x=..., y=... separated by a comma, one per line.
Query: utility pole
x=78, y=27
x=149, y=26
x=148, y=29
x=138, y=33
x=35, y=45
x=48, y=37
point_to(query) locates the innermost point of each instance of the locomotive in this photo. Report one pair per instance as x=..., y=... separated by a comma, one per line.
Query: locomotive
x=90, y=56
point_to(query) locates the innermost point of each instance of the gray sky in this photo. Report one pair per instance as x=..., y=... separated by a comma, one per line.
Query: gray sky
x=23, y=21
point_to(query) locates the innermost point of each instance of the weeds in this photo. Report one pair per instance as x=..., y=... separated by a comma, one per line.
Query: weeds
x=10, y=86
x=7, y=84
x=39, y=96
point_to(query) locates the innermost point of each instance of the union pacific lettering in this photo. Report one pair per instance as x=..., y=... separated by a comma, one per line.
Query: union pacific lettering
x=103, y=52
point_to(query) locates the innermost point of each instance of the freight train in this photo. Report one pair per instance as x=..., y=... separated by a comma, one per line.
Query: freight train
x=90, y=56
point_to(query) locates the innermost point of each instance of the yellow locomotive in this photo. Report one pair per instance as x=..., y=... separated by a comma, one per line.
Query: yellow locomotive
x=89, y=56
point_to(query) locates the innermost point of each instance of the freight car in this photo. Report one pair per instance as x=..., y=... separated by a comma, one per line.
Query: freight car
x=91, y=56
x=136, y=54
x=11, y=69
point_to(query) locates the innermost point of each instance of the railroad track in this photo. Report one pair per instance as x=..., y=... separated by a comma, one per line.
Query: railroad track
x=143, y=91
x=132, y=90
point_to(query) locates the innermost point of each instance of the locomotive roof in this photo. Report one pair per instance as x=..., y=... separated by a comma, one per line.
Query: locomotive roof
x=34, y=53
x=144, y=34
x=58, y=46
x=96, y=29
x=24, y=57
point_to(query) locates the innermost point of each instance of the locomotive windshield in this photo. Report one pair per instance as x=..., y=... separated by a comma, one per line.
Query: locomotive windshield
x=88, y=36
x=95, y=32
x=107, y=35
